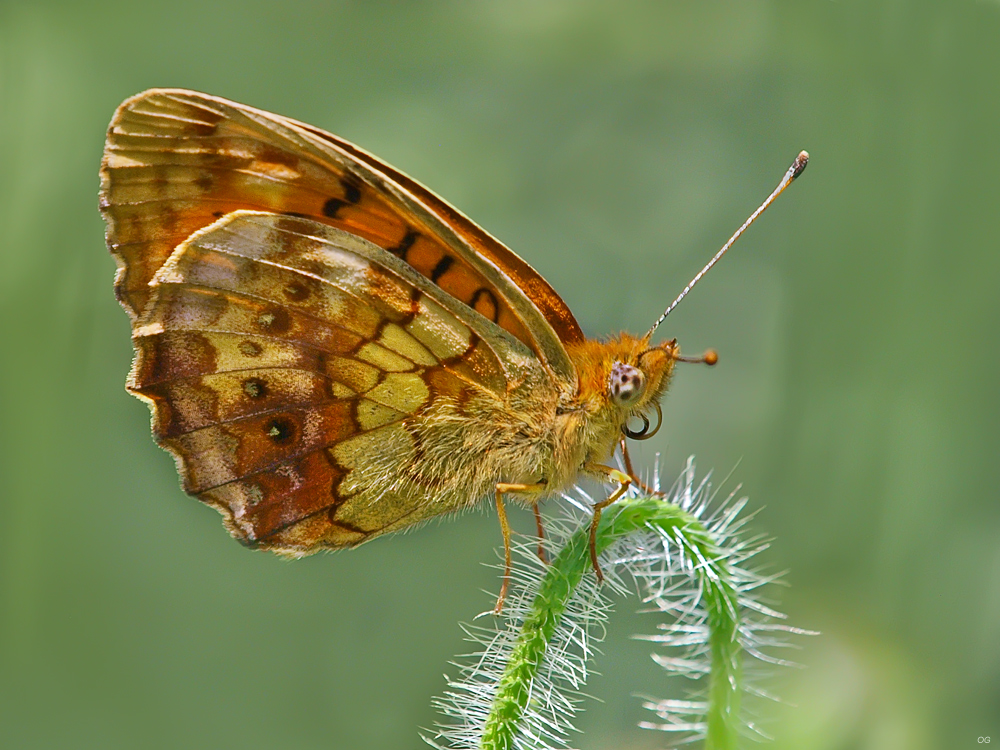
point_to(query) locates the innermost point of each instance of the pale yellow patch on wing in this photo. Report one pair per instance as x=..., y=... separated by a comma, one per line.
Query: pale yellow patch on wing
x=379, y=511
x=395, y=338
x=439, y=330
x=368, y=455
x=406, y=391
x=384, y=359
x=371, y=414
x=339, y=390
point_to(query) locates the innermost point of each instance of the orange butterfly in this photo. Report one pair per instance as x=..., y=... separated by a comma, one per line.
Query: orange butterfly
x=330, y=351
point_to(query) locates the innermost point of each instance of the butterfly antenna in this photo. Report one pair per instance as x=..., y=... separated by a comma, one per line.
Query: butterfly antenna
x=797, y=168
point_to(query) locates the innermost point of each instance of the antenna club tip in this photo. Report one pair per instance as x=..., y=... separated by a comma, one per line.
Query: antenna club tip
x=800, y=163
x=710, y=357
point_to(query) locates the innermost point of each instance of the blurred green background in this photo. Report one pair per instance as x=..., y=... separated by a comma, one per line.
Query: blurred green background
x=614, y=146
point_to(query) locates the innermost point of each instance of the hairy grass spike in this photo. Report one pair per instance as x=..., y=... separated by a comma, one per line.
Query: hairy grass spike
x=688, y=555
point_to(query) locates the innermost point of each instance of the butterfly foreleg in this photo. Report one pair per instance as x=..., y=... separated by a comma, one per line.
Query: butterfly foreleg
x=501, y=488
x=613, y=475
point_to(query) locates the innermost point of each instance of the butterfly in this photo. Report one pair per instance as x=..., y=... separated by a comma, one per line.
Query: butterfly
x=331, y=352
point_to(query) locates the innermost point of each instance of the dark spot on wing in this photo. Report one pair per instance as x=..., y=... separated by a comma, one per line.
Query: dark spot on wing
x=281, y=430
x=352, y=194
x=485, y=302
x=352, y=189
x=274, y=320
x=255, y=388
x=441, y=268
x=332, y=206
x=249, y=348
x=295, y=291
x=405, y=244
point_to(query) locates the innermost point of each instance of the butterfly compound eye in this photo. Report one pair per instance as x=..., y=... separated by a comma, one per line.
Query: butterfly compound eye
x=626, y=384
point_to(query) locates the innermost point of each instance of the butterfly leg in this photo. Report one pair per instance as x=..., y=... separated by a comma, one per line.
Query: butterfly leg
x=631, y=472
x=503, y=487
x=624, y=480
x=541, y=534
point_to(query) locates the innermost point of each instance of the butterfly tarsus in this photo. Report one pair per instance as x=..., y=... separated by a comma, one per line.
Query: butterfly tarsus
x=624, y=480
x=501, y=489
x=631, y=471
x=540, y=528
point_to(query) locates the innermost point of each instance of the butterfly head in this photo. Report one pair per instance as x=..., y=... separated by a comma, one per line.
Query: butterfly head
x=639, y=377
x=623, y=377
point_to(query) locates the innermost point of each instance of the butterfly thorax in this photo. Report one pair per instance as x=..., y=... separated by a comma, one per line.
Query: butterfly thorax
x=541, y=433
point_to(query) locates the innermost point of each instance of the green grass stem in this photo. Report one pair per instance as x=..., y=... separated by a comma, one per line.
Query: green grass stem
x=711, y=570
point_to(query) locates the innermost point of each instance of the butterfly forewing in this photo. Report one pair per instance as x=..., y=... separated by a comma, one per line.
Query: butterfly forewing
x=176, y=161
x=295, y=371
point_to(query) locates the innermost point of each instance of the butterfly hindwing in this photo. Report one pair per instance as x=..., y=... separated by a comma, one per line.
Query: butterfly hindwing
x=176, y=161
x=294, y=370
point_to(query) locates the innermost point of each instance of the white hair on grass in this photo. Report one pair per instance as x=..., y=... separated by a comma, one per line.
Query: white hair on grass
x=671, y=573
x=556, y=688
